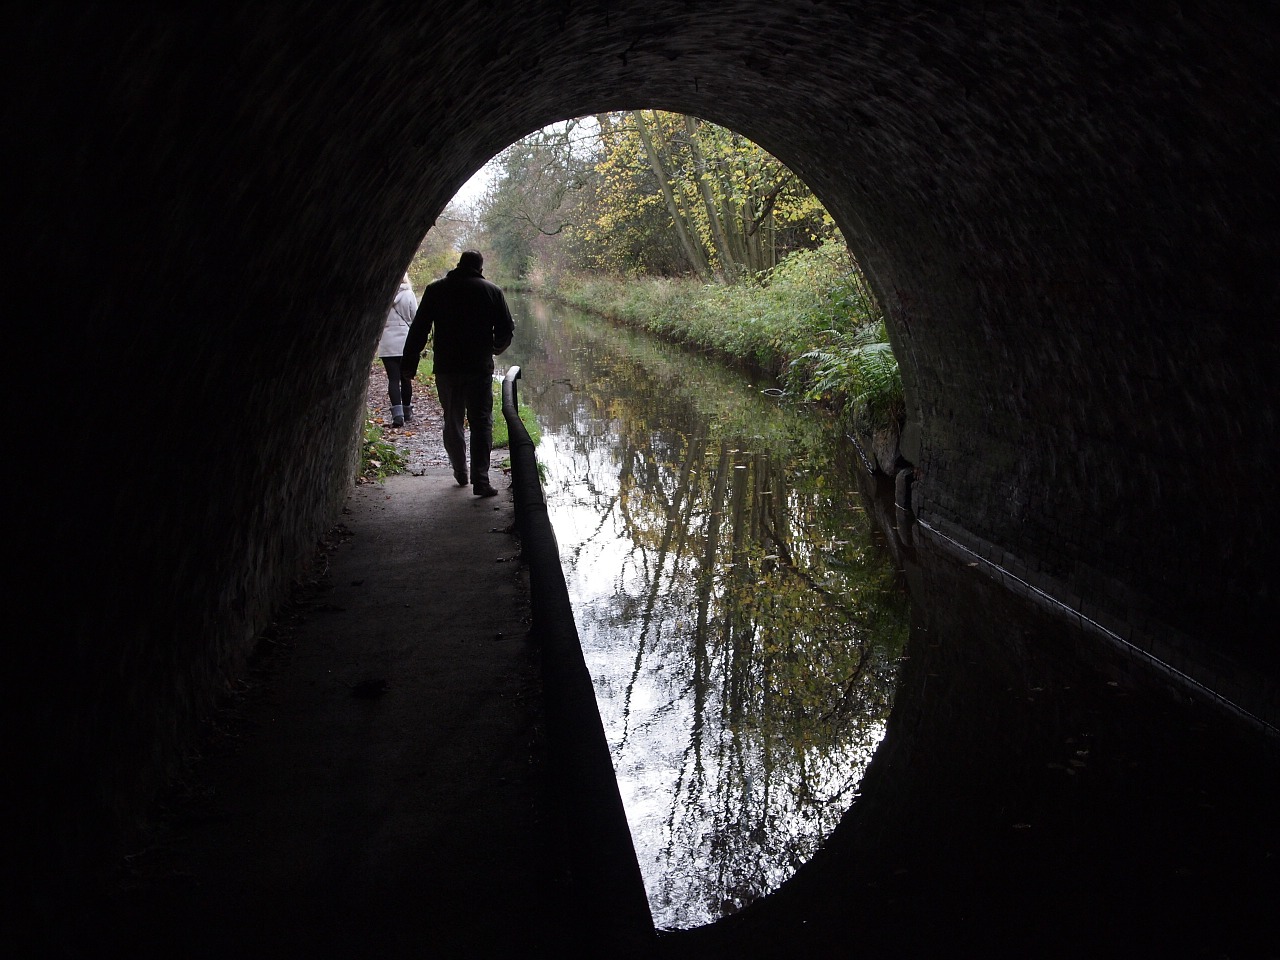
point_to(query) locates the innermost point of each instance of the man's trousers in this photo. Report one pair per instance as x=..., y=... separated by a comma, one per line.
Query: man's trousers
x=467, y=397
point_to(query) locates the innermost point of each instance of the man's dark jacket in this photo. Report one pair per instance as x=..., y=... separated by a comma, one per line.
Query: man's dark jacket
x=471, y=319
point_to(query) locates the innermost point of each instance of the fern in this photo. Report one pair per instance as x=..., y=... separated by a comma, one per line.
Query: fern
x=857, y=369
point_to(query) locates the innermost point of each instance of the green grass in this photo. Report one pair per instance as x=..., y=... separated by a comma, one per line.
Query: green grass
x=501, y=436
x=379, y=457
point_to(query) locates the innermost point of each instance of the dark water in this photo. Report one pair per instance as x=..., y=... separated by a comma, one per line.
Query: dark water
x=741, y=624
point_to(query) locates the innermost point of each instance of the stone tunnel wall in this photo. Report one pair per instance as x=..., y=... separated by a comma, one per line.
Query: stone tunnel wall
x=1067, y=210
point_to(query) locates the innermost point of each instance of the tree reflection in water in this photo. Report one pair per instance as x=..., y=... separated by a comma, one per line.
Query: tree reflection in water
x=740, y=624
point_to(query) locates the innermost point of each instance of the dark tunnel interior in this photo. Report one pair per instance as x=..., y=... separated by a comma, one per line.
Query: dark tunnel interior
x=1068, y=212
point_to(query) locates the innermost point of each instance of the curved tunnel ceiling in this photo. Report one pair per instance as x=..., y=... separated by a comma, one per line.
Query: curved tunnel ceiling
x=1066, y=210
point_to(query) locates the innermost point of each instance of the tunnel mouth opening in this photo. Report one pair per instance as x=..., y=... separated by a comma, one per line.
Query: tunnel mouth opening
x=827, y=661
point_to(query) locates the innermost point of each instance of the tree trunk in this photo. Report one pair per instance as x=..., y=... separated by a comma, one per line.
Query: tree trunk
x=692, y=249
x=729, y=267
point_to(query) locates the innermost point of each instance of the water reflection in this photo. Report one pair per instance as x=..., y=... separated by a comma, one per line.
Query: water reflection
x=741, y=627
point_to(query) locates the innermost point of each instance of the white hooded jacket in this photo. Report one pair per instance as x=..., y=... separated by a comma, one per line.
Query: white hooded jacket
x=399, y=317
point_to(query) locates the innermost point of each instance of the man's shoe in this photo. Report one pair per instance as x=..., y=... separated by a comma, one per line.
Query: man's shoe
x=461, y=477
x=484, y=490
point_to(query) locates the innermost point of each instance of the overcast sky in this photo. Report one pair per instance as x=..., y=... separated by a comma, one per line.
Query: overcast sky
x=473, y=188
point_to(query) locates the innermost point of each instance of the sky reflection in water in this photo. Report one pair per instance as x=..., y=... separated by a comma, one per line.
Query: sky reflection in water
x=740, y=626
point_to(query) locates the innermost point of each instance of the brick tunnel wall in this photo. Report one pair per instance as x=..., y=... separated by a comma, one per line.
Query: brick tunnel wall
x=1067, y=210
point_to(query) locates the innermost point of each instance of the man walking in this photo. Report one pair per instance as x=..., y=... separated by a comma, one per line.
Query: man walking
x=472, y=323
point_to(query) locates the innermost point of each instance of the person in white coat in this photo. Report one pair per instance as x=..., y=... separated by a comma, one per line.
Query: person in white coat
x=391, y=348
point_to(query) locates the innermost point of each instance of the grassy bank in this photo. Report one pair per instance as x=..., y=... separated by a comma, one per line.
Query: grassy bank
x=813, y=325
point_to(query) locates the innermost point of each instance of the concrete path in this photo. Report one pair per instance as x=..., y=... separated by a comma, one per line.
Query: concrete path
x=378, y=790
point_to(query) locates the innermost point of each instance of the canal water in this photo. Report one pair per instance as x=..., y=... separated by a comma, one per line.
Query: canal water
x=742, y=625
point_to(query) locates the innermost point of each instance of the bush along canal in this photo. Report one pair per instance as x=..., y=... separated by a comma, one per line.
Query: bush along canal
x=742, y=625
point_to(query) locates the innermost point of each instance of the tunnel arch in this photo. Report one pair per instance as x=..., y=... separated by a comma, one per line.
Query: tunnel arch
x=1067, y=213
